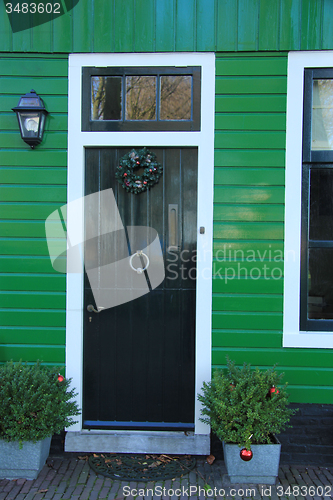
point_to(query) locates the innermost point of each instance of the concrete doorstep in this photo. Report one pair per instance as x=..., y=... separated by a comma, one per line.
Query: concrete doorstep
x=71, y=478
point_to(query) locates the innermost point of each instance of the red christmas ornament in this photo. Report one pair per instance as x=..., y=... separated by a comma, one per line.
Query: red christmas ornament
x=150, y=170
x=273, y=390
x=145, y=182
x=138, y=163
x=60, y=378
x=246, y=455
x=125, y=175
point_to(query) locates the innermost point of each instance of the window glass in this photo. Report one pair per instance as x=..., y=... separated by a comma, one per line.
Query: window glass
x=321, y=204
x=320, y=279
x=175, y=97
x=137, y=99
x=322, y=115
x=106, y=97
x=140, y=98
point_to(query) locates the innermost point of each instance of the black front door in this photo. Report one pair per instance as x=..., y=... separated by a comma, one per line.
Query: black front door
x=139, y=365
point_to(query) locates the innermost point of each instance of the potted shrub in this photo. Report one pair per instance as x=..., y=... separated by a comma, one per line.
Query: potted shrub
x=35, y=403
x=245, y=409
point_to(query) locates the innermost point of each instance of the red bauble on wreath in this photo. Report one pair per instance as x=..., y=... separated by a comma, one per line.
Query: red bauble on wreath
x=246, y=455
x=130, y=180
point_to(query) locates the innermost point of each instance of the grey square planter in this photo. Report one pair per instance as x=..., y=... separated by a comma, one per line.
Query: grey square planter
x=26, y=462
x=262, y=468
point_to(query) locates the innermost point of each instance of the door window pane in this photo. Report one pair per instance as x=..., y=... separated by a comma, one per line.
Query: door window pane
x=106, y=97
x=175, y=97
x=320, y=279
x=140, y=98
x=321, y=204
x=322, y=115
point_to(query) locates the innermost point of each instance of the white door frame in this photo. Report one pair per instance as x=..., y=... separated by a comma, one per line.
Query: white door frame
x=170, y=442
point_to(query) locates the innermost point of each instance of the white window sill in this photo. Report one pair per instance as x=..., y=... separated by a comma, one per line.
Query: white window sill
x=323, y=340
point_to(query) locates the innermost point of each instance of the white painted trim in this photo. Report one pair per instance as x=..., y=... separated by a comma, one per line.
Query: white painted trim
x=292, y=336
x=204, y=140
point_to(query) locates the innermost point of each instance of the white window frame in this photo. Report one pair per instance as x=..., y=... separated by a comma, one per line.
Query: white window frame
x=204, y=141
x=292, y=335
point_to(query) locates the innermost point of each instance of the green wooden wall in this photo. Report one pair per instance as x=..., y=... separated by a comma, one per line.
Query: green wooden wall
x=251, y=38
x=248, y=225
x=32, y=185
x=248, y=219
x=178, y=25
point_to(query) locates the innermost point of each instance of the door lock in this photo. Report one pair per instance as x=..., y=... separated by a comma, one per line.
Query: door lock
x=90, y=308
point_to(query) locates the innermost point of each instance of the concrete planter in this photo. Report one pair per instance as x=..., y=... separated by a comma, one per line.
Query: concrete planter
x=26, y=462
x=263, y=468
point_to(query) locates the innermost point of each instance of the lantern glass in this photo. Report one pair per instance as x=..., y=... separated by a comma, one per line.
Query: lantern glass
x=29, y=124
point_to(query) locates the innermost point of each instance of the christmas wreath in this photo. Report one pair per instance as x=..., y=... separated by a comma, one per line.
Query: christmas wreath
x=133, y=182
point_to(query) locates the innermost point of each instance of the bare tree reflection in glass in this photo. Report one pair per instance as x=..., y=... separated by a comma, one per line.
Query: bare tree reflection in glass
x=140, y=98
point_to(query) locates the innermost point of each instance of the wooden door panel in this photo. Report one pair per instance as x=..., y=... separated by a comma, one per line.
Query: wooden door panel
x=139, y=356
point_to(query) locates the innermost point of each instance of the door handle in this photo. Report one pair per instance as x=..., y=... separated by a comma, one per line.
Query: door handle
x=173, y=226
x=90, y=308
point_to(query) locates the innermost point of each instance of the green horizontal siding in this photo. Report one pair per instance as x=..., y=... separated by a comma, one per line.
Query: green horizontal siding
x=293, y=358
x=250, y=213
x=50, y=355
x=249, y=140
x=26, y=264
x=21, y=175
x=33, y=282
x=29, y=300
x=249, y=194
x=249, y=176
x=181, y=25
x=27, y=246
x=250, y=121
x=32, y=186
x=250, y=125
x=33, y=211
x=247, y=302
x=245, y=285
x=35, y=335
x=252, y=338
x=248, y=231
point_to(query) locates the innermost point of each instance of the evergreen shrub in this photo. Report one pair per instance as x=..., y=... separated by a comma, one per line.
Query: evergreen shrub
x=242, y=408
x=33, y=403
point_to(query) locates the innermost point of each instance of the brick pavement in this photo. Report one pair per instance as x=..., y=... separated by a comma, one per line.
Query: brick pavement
x=71, y=478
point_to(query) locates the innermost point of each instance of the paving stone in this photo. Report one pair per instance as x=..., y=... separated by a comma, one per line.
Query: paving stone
x=68, y=493
x=104, y=492
x=57, y=496
x=50, y=492
x=9, y=486
x=116, y=491
x=328, y=475
x=91, y=479
x=98, y=484
x=85, y=493
x=62, y=486
x=31, y=494
x=94, y=495
x=84, y=473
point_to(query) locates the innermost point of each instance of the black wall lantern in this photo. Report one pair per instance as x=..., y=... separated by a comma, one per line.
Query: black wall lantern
x=31, y=114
